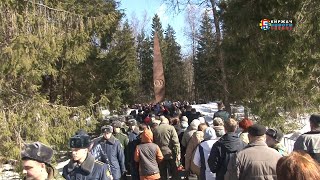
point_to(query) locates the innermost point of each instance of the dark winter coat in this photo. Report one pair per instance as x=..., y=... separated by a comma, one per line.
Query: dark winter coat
x=89, y=169
x=221, y=152
x=222, y=114
x=115, y=154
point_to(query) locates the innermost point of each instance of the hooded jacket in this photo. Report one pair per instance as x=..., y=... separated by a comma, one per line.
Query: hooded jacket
x=201, y=157
x=189, y=132
x=222, y=151
x=148, y=155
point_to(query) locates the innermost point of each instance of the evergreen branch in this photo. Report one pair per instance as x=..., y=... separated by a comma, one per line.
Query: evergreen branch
x=61, y=10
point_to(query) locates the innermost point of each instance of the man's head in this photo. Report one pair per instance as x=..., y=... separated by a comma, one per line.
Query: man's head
x=116, y=126
x=220, y=105
x=230, y=125
x=202, y=127
x=217, y=121
x=79, y=144
x=107, y=131
x=257, y=132
x=132, y=124
x=273, y=137
x=35, y=158
x=315, y=122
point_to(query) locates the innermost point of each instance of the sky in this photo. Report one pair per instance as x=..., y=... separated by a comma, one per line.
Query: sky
x=138, y=9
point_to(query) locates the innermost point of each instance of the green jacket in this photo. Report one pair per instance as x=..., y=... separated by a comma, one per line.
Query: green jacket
x=124, y=140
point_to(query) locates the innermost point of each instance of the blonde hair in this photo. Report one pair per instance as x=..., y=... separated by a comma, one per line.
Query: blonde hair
x=230, y=125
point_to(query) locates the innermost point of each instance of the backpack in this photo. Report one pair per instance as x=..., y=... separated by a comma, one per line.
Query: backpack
x=225, y=160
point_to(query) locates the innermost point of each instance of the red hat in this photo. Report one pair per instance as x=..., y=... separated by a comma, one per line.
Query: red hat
x=245, y=124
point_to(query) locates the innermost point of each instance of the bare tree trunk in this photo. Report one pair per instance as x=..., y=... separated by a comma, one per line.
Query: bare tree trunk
x=221, y=60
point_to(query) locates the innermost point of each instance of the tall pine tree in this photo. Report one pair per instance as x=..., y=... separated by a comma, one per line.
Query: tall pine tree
x=206, y=74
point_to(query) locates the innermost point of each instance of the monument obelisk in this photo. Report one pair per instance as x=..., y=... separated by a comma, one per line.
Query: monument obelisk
x=158, y=73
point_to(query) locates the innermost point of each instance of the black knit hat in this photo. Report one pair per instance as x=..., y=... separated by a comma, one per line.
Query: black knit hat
x=38, y=152
x=257, y=130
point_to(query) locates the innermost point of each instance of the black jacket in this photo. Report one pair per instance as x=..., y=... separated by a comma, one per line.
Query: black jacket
x=89, y=169
x=222, y=151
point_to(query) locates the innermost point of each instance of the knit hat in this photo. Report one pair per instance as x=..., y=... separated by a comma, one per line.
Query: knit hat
x=107, y=129
x=194, y=124
x=209, y=133
x=38, y=152
x=257, y=130
x=276, y=134
x=245, y=123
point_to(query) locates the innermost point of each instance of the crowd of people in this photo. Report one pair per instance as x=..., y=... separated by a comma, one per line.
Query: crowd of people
x=171, y=142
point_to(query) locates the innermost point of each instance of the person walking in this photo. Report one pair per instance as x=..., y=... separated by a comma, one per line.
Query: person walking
x=202, y=153
x=82, y=165
x=273, y=140
x=148, y=155
x=310, y=141
x=255, y=162
x=36, y=162
x=225, y=148
x=108, y=148
x=165, y=136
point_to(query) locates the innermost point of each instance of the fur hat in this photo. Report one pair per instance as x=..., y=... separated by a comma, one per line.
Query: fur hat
x=107, y=129
x=38, y=152
x=116, y=124
x=257, y=130
x=132, y=122
x=80, y=140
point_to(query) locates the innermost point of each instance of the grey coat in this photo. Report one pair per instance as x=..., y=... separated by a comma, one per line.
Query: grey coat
x=310, y=143
x=256, y=162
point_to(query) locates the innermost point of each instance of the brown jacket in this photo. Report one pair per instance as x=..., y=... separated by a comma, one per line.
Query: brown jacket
x=195, y=140
x=256, y=162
